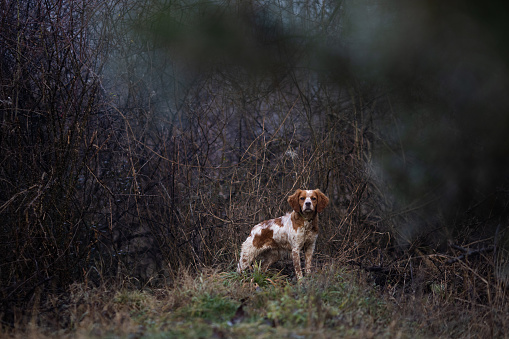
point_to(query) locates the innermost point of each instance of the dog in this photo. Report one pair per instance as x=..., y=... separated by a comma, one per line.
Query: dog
x=293, y=232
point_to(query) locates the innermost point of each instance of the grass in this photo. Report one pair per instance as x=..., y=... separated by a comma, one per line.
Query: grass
x=333, y=302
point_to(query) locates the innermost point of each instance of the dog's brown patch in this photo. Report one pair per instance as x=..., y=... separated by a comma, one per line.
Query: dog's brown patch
x=279, y=222
x=297, y=221
x=323, y=201
x=265, y=238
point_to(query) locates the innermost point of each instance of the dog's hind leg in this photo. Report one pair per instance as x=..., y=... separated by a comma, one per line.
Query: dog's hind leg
x=247, y=254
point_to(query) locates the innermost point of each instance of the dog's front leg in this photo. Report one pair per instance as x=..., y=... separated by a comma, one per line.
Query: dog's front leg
x=309, y=256
x=296, y=262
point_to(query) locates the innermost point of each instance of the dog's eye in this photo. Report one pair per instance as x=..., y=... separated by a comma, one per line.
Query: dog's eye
x=302, y=198
x=313, y=198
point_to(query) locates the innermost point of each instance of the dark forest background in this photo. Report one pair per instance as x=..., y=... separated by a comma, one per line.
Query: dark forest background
x=140, y=137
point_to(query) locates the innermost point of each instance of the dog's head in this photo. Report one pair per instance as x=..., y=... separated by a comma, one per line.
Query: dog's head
x=308, y=201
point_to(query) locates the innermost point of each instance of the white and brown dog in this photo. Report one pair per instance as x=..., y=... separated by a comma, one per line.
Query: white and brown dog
x=292, y=232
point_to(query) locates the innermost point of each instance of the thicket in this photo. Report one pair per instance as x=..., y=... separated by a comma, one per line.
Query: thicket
x=137, y=138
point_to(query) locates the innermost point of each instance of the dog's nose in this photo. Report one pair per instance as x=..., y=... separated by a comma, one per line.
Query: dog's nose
x=308, y=203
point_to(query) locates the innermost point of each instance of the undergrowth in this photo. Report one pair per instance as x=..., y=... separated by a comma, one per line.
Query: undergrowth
x=223, y=304
x=335, y=301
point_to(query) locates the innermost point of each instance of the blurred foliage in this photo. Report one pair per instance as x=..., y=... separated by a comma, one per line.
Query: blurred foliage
x=440, y=69
x=438, y=72
x=263, y=38
x=449, y=76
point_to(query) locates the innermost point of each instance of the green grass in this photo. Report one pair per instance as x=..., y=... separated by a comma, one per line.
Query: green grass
x=332, y=302
x=215, y=308
x=327, y=304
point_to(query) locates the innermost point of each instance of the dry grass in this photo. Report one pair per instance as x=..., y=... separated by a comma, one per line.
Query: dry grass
x=333, y=302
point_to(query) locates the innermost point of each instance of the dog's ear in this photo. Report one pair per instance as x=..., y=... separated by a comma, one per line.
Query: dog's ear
x=323, y=201
x=293, y=200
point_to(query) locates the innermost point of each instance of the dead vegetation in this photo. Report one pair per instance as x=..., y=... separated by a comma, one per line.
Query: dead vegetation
x=334, y=301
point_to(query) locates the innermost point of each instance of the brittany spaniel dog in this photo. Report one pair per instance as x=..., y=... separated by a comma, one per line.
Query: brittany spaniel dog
x=292, y=232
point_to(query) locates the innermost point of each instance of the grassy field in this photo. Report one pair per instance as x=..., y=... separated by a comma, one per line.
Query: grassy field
x=333, y=302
